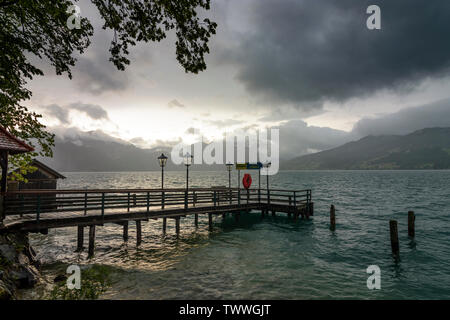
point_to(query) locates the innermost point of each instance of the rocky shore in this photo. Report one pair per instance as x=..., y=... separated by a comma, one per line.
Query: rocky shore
x=19, y=268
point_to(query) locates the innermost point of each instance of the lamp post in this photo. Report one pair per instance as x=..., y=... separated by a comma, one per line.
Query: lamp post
x=187, y=162
x=188, y=158
x=162, y=163
x=267, y=166
x=229, y=168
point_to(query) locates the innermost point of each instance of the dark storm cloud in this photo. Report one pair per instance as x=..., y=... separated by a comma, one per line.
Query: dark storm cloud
x=302, y=52
x=93, y=111
x=97, y=75
x=436, y=114
x=57, y=112
x=60, y=113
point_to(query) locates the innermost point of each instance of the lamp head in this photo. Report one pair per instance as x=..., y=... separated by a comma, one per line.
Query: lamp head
x=162, y=160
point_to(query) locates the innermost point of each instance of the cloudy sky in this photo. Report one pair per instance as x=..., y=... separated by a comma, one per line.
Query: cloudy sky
x=310, y=67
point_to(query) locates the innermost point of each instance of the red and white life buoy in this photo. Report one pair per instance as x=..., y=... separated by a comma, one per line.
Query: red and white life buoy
x=247, y=181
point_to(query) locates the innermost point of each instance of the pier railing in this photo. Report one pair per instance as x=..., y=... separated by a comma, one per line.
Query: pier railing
x=104, y=201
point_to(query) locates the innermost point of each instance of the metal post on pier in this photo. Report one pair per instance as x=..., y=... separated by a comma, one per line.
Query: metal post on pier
x=162, y=163
x=138, y=233
x=80, y=239
x=210, y=223
x=91, y=241
x=259, y=185
x=394, y=237
x=85, y=203
x=239, y=186
x=411, y=226
x=332, y=218
x=125, y=231
x=164, y=225
x=103, y=205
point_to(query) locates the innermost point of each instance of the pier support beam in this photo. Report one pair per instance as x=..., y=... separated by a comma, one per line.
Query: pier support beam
x=196, y=220
x=224, y=216
x=210, y=222
x=177, y=226
x=237, y=215
x=394, y=237
x=125, y=231
x=273, y=213
x=332, y=218
x=80, y=240
x=138, y=233
x=164, y=225
x=91, y=241
x=411, y=226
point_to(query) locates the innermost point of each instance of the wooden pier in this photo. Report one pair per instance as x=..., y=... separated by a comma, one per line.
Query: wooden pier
x=40, y=210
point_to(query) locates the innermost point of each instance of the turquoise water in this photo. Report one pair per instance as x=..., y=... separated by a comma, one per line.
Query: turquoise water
x=275, y=257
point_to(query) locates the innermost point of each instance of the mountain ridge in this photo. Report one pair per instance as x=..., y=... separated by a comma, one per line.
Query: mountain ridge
x=427, y=148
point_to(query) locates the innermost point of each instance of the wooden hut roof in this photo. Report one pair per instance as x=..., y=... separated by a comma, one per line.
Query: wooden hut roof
x=41, y=166
x=12, y=144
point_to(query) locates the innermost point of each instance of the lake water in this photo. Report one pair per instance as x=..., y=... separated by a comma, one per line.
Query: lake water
x=275, y=257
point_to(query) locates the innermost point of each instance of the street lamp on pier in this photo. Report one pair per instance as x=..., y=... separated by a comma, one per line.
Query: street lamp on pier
x=267, y=166
x=162, y=163
x=229, y=168
x=188, y=160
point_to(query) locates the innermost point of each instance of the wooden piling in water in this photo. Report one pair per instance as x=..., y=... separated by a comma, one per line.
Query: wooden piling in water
x=332, y=218
x=164, y=225
x=237, y=216
x=196, y=220
x=411, y=224
x=177, y=225
x=273, y=213
x=125, y=231
x=210, y=222
x=394, y=237
x=91, y=240
x=80, y=240
x=138, y=232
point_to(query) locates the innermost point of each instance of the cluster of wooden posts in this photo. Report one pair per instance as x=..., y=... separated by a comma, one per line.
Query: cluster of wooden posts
x=304, y=213
x=395, y=246
x=394, y=232
x=124, y=224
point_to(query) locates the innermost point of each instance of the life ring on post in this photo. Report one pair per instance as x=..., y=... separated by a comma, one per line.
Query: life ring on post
x=247, y=181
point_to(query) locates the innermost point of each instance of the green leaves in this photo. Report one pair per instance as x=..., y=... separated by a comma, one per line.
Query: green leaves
x=134, y=21
x=39, y=28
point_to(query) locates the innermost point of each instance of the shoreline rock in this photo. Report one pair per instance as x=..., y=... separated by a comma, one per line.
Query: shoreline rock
x=19, y=267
